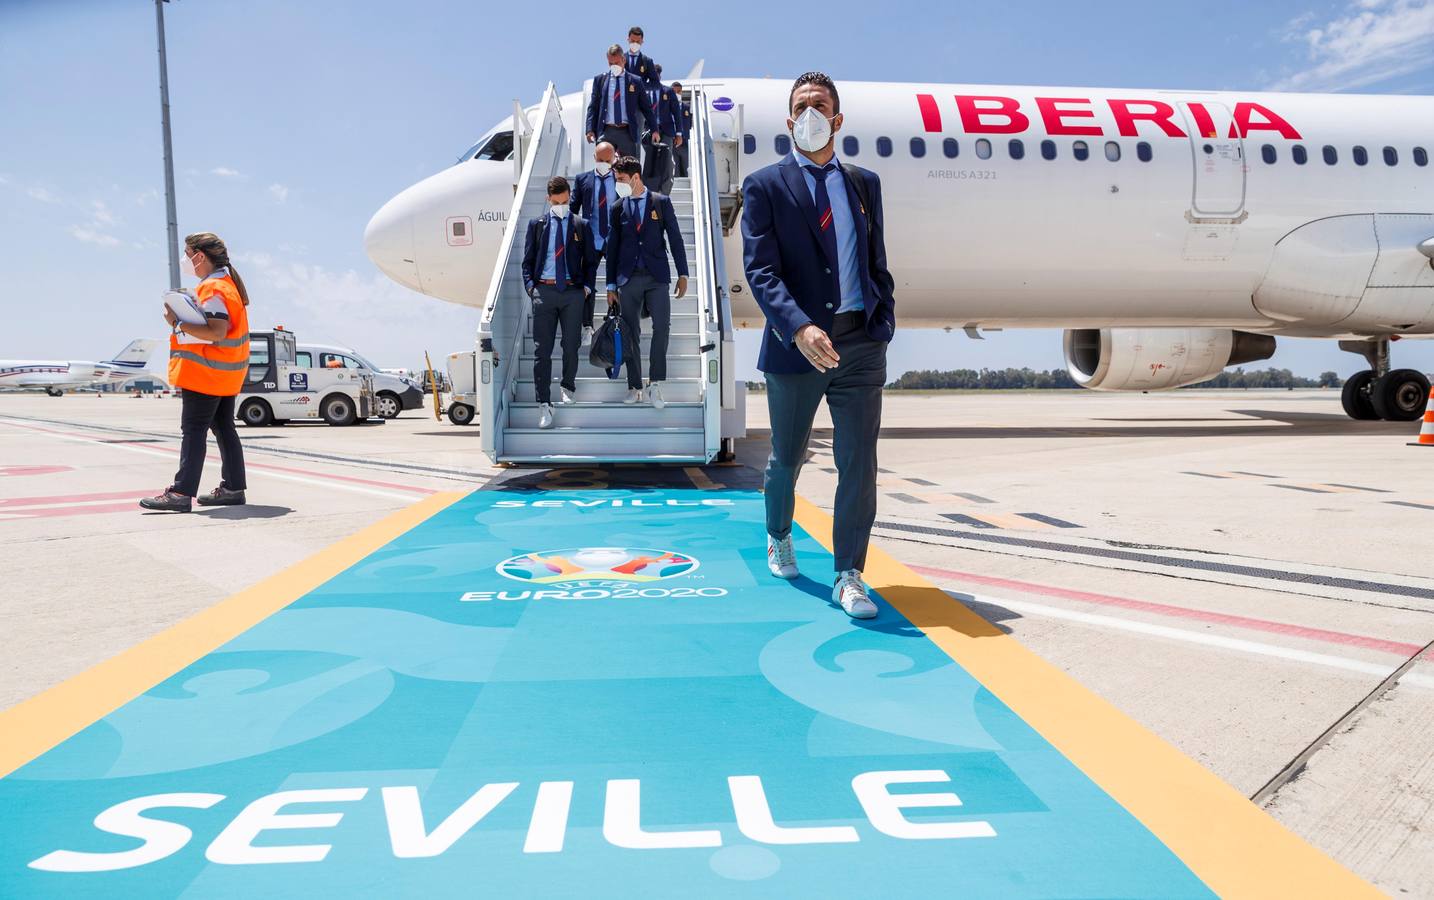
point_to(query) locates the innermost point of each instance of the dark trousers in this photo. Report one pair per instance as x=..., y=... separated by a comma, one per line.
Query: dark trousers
x=680, y=159
x=657, y=164
x=200, y=414
x=642, y=288
x=550, y=307
x=853, y=394
x=588, y=302
x=620, y=138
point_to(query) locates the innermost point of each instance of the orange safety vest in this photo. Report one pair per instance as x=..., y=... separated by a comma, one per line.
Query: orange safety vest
x=216, y=368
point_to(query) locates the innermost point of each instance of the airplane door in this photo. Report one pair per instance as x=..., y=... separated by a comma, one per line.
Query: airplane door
x=1219, y=160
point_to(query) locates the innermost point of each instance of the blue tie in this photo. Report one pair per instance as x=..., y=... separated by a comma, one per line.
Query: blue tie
x=560, y=269
x=824, y=218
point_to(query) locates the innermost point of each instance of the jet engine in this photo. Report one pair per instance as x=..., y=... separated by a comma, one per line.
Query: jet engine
x=1157, y=359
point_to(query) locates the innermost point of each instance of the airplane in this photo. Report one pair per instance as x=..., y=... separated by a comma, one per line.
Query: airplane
x=55, y=377
x=1171, y=233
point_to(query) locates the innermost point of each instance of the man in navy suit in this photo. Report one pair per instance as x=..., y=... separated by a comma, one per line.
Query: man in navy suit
x=682, y=115
x=636, y=62
x=595, y=196
x=657, y=157
x=618, y=111
x=559, y=273
x=815, y=255
x=637, y=272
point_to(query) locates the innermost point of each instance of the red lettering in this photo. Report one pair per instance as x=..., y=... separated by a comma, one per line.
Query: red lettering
x=930, y=113
x=1158, y=113
x=1203, y=123
x=1052, y=116
x=1272, y=122
x=973, y=116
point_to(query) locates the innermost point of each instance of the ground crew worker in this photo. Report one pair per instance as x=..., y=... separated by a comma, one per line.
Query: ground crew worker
x=682, y=112
x=208, y=363
x=618, y=112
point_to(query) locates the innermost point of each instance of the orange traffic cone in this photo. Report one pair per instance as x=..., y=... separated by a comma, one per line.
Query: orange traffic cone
x=1426, y=433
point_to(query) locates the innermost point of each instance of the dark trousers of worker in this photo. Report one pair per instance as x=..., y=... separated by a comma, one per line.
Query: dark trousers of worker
x=642, y=289
x=620, y=138
x=679, y=155
x=199, y=415
x=550, y=308
x=657, y=164
x=853, y=394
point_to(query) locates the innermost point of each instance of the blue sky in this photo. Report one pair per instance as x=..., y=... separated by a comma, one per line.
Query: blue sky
x=294, y=121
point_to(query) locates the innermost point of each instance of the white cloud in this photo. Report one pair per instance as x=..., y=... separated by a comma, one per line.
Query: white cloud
x=100, y=214
x=44, y=196
x=90, y=236
x=225, y=172
x=1370, y=42
x=279, y=192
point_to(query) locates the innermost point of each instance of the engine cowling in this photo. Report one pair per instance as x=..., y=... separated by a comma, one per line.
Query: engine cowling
x=1158, y=359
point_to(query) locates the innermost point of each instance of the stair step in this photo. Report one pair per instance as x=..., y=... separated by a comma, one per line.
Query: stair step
x=601, y=389
x=575, y=444
x=614, y=415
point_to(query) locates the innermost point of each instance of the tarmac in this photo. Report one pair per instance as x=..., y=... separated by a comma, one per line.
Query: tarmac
x=1247, y=574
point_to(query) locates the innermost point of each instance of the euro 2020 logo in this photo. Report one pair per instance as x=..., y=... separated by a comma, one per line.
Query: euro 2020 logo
x=621, y=564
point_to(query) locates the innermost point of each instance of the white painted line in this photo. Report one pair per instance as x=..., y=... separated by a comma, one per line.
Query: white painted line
x=1197, y=637
x=266, y=473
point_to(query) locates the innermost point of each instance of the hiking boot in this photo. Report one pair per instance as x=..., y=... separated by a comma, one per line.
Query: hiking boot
x=222, y=496
x=169, y=501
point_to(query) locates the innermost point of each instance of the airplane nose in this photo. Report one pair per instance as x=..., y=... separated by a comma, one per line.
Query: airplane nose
x=388, y=241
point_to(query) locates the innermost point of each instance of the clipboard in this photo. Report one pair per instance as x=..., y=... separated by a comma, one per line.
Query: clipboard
x=184, y=307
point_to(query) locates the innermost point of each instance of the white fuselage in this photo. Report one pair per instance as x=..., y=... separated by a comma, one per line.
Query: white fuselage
x=1206, y=232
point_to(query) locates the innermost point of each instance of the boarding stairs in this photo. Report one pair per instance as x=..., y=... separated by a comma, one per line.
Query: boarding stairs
x=599, y=427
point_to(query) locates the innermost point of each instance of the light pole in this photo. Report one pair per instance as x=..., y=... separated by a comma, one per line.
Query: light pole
x=172, y=217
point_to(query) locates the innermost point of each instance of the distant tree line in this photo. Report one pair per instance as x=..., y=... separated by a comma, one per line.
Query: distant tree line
x=1032, y=379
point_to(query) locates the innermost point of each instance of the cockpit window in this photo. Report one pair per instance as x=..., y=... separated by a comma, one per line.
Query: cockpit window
x=496, y=147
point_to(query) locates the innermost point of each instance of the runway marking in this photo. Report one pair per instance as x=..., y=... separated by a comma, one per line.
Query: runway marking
x=19, y=471
x=72, y=498
x=1397, y=648
x=1410, y=503
x=1049, y=520
x=906, y=498
x=1009, y=520
x=700, y=479
x=1355, y=487
x=55, y=512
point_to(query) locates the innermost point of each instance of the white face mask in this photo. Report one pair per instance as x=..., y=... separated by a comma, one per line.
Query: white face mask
x=188, y=266
x=624, y=189
x=560, y=210
x=812, y=131
x=615, y=69
x=634, y=47
x=603, y=168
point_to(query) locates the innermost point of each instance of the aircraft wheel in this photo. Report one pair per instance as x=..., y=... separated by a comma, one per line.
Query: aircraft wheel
x=1400, y=396
x=54, y=392
x=1355, y=397
x=338, y=409
x=461, y=414
x=256, y=414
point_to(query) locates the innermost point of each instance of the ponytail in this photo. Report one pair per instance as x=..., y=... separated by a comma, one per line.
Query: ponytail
x=210, y=245
x=238, y=282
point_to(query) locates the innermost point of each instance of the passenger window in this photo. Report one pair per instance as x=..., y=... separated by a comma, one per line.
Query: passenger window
x=749, y=144
x=1143, y=152
x=883, y=146
x=983, y=149
x=1080, y=150
x=950, y=148
x=304, y=359
x=1267, y=153
x=1361, y=156
x=1017, y=148
x=783, y=144
x=1391, y=156
x=1048, y=149
x=1331, y=155
x=918, y=147
x=1421, y=156
x=1112, y=151
x=850, y=145
x=1298, y=154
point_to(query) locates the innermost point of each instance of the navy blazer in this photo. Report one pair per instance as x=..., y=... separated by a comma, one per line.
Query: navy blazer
x=787, y=268
x=625, y=243
x=644, y=70
x=662, y=119
x=585, y=198
x=580, y=257
x=634, y=99
x=684, y=116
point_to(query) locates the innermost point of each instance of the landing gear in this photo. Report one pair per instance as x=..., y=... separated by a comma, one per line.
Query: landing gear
x=54, y=392
x=1394, y=395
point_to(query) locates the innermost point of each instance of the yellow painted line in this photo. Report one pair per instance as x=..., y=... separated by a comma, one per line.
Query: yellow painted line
x=33, y=726
x=700, y=479
x=1229, y=843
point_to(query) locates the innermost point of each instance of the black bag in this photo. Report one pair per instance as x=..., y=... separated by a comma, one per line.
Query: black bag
x=612, y=346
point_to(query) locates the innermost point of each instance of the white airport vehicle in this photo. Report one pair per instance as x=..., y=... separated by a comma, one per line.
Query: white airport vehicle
x=392, y=393
x=463, y=381
x=1171, y=233
x=278, y=390
x=55, y=377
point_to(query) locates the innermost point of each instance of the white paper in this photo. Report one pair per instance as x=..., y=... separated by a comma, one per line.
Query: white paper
x=184, y=307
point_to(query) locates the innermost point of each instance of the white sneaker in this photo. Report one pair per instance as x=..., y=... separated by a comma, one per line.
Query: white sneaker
x=781, y=557
x=565, y=396
x=587, y=336
x=545, y=415
x=633, y=396
x=850, y=593
x=654, y=395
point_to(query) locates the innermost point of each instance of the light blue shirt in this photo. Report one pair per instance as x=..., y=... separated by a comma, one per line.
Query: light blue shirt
x=614, y=110
x=608, y=185
x=852, y=293
x=555, y=230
